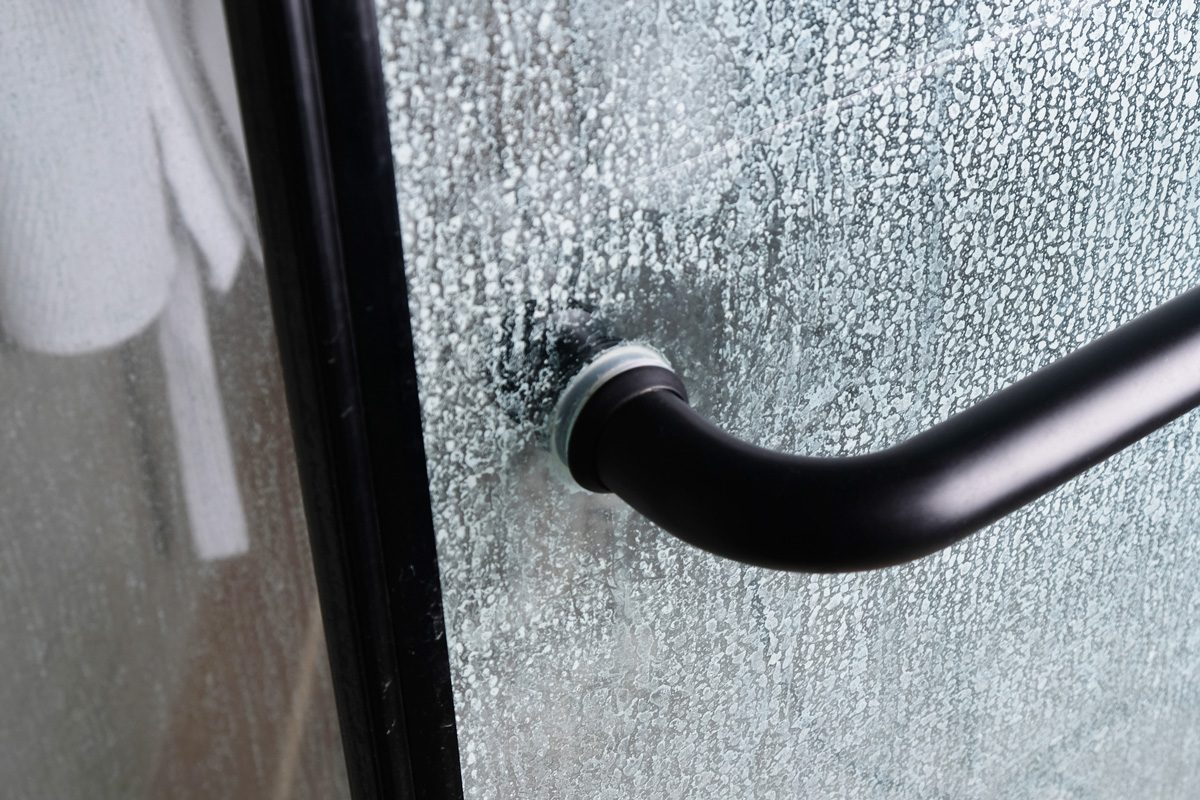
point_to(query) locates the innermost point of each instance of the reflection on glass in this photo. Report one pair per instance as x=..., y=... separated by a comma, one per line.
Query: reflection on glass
x=160, y=627
x=842, y=222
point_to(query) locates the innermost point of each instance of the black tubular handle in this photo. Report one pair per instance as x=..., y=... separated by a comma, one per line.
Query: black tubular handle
x=629, y=430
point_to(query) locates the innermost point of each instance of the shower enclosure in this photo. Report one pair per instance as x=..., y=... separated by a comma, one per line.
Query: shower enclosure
x=840, y=222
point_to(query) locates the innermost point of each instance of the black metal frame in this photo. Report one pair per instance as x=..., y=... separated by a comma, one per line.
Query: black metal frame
x=310, y=83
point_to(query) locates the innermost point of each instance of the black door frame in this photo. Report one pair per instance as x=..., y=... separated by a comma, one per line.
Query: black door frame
x=310, y=84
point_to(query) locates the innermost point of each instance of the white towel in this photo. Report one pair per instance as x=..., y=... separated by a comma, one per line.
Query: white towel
x=104, y=141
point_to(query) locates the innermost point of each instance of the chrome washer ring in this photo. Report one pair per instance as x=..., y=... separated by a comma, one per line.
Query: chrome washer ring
x=600, y=370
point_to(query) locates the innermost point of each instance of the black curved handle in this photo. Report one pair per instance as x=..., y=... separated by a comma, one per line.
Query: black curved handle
x=633, y=433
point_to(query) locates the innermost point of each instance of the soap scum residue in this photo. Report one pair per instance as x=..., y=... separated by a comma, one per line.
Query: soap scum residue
x=842, y=221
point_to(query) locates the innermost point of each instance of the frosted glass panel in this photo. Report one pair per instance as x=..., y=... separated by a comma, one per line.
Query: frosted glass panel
x=842, y=221
x=159, y=632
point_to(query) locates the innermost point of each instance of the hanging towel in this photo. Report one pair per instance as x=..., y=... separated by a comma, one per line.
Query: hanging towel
x=120, y=173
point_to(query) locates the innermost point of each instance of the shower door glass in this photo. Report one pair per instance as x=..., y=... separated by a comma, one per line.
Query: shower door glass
x=842, y=220
x=159, y=632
